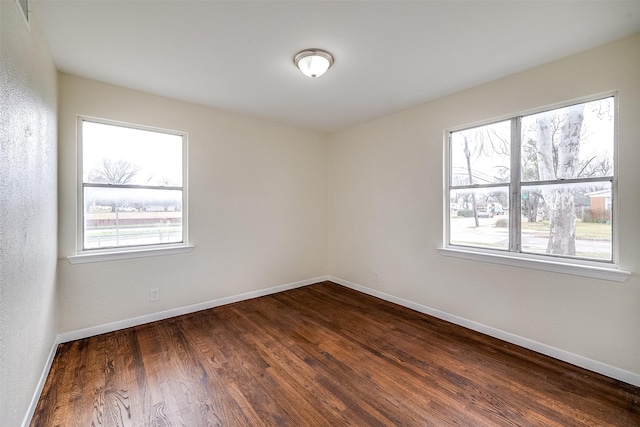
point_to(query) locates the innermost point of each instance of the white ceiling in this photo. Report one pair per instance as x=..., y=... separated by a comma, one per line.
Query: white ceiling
x=389, y=55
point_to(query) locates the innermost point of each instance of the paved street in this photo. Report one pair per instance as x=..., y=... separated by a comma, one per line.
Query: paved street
x=464, y=232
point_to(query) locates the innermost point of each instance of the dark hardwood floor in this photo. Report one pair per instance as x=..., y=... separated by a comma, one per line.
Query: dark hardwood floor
x=321, y=355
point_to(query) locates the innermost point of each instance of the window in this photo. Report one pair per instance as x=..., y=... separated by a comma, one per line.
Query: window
x=540, y=184
x=23, y=5
x=133, y=187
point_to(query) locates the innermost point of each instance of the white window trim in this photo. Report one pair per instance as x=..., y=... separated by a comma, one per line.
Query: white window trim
x=127, y=252
x=577, y=267
x=26, y=13
x=562, y=265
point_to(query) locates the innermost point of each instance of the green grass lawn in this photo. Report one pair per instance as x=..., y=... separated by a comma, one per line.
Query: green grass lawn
x=584, y=230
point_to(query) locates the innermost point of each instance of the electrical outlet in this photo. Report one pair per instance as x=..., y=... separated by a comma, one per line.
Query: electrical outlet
x=376, y=276
x=154, y=294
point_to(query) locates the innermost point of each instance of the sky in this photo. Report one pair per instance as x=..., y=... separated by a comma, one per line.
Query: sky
x=158, y=154
x=597, y=131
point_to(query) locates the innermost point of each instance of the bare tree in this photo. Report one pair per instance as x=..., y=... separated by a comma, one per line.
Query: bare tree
x=557, y=161
x=467, y=154
x=113, y=172
x=595, y=166
x=530, y=204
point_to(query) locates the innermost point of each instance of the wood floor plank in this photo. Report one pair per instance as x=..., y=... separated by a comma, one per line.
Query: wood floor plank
x=165, y=408
x=56, y=416
x=188, y=380
x=289, y=368
x=321, y=355
x=91, y=383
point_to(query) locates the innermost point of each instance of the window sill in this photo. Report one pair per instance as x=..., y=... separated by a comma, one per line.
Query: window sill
x=87, y=257
x=585, y=270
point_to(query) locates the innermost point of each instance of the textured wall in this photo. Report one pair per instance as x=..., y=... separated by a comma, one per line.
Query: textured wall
x=28, y=217
x=385, y=214
x=257, y=209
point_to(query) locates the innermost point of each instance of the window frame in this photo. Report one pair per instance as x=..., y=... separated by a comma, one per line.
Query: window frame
x=83, y=255
x=603, y=269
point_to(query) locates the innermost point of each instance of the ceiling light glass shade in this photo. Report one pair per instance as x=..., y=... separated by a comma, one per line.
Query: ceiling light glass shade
x=313, y=62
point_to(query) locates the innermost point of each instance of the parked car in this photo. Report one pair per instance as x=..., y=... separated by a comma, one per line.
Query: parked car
x=127, y=209
x=489, y=210
x=484, y=212
x=99, y=209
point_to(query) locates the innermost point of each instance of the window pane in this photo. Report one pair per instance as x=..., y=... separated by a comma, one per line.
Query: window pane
x=481, y=155
x=117, y=217
x=492, y=227
x=121, y=155
x=572, y=220
x=571, y=142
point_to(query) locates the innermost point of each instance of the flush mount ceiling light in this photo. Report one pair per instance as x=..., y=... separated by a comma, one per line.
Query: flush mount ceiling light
x=313, y=62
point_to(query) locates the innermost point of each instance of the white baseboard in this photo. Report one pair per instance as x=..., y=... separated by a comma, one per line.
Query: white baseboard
x=43, y=378
x=565, y=356
x=154, y=317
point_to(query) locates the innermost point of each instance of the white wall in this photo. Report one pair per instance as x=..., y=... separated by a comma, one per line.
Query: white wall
x=257, y=209
x=28, y=215
x=385, y=214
